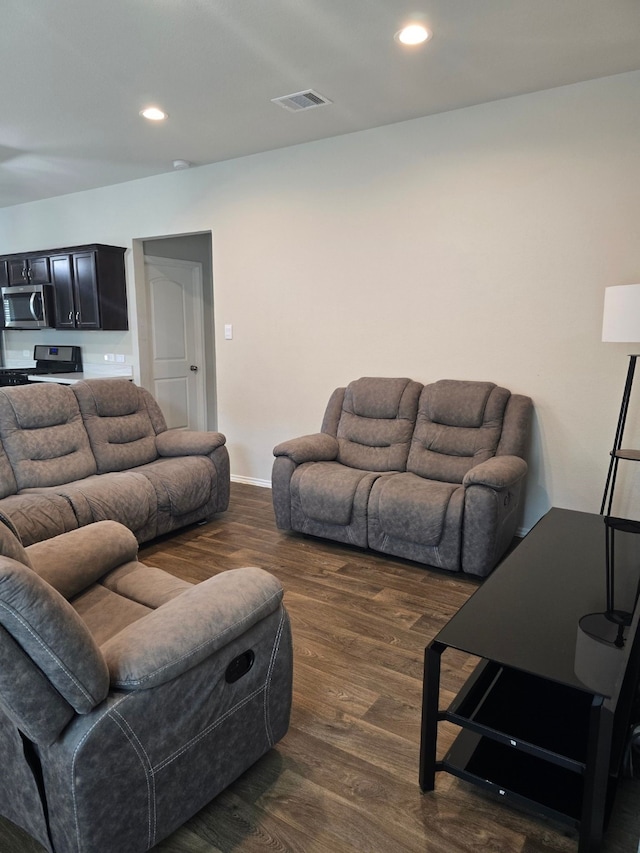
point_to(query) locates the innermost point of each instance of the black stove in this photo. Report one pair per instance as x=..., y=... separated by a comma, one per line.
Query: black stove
x=49, y=359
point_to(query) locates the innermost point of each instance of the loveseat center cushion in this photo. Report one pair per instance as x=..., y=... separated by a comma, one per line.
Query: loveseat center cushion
x=413, y=509
x=326, y=490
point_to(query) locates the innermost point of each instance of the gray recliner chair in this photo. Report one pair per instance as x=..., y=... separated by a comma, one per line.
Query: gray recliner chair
x=431, y=473
x=129, y=698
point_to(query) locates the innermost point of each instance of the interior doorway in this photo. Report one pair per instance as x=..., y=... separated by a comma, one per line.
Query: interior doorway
x=177, y=325
x=178, y=370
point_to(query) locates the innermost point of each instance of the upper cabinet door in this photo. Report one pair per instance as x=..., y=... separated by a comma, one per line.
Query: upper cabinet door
x=86, y=290
x=39, y=271
x=62, y=278
x=18, y=271
x=29, y=271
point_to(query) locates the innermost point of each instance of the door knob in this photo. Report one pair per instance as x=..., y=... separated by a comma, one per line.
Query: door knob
x=194, y=367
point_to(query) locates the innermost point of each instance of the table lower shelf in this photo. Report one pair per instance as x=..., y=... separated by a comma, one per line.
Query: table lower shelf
x=548, y=720
x=517, y=776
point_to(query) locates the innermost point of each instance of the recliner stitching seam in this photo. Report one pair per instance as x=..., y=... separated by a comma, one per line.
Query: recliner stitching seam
x=104, y=716
x=185, y=747
x=148, y=772
x=274, y=652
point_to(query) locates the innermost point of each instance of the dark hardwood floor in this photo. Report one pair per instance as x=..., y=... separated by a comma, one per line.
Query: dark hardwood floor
x=345, y=777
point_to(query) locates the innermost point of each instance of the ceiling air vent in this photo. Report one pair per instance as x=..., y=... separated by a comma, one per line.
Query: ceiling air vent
x=302, y=100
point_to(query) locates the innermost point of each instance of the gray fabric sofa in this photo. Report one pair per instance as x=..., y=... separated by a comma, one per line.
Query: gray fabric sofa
x=430, y=473
x=129, y=698
x=100, y=450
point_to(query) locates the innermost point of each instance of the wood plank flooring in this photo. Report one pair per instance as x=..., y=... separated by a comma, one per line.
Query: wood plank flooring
x=345, y=777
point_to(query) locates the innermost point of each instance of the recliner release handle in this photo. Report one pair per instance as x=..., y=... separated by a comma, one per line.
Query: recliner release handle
x=239, y=666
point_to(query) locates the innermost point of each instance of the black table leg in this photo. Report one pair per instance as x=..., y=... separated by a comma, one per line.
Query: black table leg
x=430, y=715
x=596, y=779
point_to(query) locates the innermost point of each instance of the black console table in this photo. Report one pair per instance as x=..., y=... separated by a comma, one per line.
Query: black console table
x=544, y=718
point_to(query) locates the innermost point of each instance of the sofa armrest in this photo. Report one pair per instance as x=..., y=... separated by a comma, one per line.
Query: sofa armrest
x=183, y=632
x=184, y=442
x=499, y=472
x=74, y=560
x=319, y=447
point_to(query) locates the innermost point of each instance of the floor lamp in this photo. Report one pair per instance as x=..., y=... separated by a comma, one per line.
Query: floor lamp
x=620, y=324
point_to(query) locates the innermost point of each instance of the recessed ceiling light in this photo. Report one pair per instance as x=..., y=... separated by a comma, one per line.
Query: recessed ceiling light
x=413, y=34
x=153, y=114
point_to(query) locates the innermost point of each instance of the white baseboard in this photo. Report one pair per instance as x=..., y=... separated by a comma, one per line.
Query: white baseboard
x=252, y=481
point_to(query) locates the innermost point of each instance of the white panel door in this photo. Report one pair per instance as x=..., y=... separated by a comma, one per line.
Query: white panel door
x=174, y=290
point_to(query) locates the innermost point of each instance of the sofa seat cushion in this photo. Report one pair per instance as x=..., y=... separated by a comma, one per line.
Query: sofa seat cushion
x=413, y=509
x=182, y=484
x=147, y=585
x=39, y=515
x=326, y=491
x=123, y=496
x=105, y=613
x=331, y=500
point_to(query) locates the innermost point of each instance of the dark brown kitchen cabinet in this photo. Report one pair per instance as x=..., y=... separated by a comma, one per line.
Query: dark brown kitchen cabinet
x=89, y=288
x=89, y=284
x=29, y=270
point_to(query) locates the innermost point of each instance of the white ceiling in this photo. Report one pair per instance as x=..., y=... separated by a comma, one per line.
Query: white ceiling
x=74, y=74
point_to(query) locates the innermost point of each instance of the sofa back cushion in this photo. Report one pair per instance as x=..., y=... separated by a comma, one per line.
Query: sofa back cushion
x=43, y=435
x=459, y=424
x=121, y=420
x=376, y=423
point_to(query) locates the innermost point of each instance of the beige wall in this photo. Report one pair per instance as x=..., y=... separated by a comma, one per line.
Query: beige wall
x=474, y=244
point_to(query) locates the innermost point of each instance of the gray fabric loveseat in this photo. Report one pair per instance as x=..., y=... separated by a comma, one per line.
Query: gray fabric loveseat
x=431, y=473
x=100, y=450
x=129, y=698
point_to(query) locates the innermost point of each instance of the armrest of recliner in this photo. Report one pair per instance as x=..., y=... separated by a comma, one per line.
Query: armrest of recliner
x=499, y=472
x=183, y=632
x=319, y=447
x=74, y=560
x=184, y=442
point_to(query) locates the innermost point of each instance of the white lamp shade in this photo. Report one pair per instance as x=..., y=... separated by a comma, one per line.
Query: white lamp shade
x=621, y=318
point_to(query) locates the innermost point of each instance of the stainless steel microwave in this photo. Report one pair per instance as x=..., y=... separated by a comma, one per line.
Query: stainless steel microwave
x=27, y=306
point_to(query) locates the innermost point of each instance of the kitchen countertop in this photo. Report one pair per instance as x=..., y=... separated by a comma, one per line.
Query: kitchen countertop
x=71, y=378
